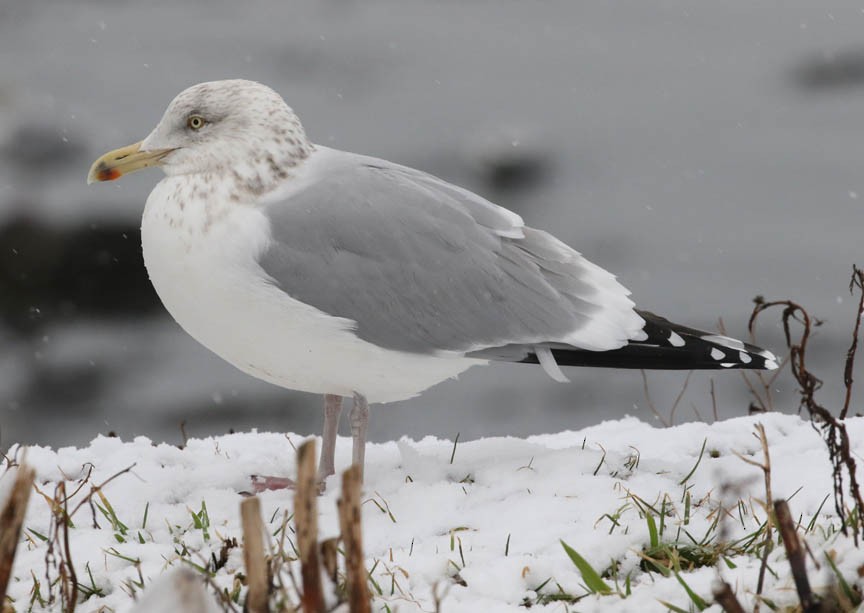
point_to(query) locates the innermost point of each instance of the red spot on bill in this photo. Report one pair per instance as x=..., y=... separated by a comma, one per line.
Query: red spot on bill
x=108, y=174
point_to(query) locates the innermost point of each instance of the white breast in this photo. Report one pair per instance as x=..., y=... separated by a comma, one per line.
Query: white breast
x=201, y=259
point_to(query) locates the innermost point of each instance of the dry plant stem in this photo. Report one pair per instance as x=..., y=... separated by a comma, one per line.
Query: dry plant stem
x=306, y=522
x=679, y=397
x=714, y=401
x=833, y=430
x=70, y=584
x=11, y=520
x=764, y=405
x=253, y=555
x=765, y=467
x=330, y=558
x=651, y=402
x=352, y=539
x=856, y=282
x=764, y=400
x=671, y=420
x=726, y=598
x=795, y=553
x=96, y=488
x=58, y=554
x=280, y=560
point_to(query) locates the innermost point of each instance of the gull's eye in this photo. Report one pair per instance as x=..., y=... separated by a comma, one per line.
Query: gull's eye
x=195, y=122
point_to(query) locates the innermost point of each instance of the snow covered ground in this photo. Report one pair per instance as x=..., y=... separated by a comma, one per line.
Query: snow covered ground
x=482, y=526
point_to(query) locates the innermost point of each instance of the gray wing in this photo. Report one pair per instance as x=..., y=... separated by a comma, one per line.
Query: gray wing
x=424, y=266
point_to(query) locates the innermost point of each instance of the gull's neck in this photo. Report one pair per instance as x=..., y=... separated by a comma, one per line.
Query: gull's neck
x=265, y=171
x=274, y=160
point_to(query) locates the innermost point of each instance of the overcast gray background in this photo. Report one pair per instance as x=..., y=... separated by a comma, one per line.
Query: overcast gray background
x=705, y=152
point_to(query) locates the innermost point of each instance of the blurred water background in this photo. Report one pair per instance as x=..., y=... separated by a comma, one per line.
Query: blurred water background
x=705, y=152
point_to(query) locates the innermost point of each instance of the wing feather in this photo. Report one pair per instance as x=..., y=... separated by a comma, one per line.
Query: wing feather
x=424, y=266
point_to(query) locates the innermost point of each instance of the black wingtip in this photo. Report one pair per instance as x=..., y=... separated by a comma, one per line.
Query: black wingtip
x=666, y=346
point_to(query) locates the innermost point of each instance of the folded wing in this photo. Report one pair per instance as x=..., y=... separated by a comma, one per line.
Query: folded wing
x=423, y=266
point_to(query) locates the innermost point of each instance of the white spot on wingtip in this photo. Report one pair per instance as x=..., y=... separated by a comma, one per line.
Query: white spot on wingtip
x=768, y=355
x=717, y=354
x=744, y=357
x=727, y=365
x=771, y=364
x=675, y=339
x=550, y=366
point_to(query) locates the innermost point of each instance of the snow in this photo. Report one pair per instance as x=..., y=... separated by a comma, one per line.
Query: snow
x=178, y=590
x=496, y=513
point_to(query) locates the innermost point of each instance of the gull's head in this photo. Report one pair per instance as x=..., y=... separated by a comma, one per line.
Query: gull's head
x=237, y=128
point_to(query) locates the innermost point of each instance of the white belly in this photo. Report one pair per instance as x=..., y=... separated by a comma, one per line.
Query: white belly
x=203, y=265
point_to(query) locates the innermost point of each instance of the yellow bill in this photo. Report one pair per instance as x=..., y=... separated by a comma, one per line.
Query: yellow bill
x=119, y=162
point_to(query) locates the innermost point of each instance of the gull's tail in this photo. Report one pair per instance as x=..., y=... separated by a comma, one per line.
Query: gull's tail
x=667, y=346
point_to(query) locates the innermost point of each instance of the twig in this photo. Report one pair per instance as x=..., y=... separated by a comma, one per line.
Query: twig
x=833, y=430
x=11, y=520
x=726, y=598
x=809, y=603
x=96, y=488
x=678, y=398
x=763, y=404
x=70, y=585
x=768, y=545
x=306, y=521
x=280, y=561
x=714, y=401
x=352, y=538
x=651, y=402
x=856, y=281
x=253, y=555
x=330, y=558
x=184, y=439
x=82, y=481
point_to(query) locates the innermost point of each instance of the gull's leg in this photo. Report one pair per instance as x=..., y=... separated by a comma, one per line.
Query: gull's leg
x=332, y=412
x=359, y=422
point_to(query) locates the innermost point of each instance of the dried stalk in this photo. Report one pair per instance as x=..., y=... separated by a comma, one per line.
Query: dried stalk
x=833, y=430
x=725, y=597
x=69, y=585
x=306, y=521
x=330, y=558
x=253, y=555
x=11, y=521
x=857, y=281
x=768, y=545
x=352, y=538
x=795, y=553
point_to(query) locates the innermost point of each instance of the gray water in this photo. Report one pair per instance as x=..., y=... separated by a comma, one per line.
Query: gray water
x=705, y=153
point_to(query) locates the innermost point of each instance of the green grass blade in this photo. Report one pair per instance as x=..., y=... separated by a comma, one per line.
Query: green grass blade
x=695, y=466
x=591, y=577
x=854, y=598
x=812, y=523
x=695, y=598
x=653, y=537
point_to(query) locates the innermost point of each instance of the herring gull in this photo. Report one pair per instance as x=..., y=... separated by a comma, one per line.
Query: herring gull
x=350, y=276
